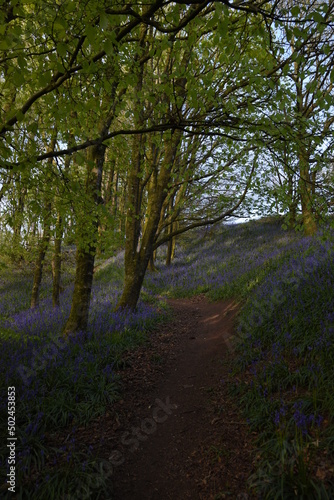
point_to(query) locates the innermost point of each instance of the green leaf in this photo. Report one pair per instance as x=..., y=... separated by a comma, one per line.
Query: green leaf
x=4, y=45
x=60, y=26
x=109, y=48
x=297, y=32
x=285, y=69
x=218, y=8
x=33, y=127
x=90, y=33
x=295, y=11
x=327, y=49
x=22, y=62
x=329, y=99
x=19, y=78
x=19, y=116
x=223, y=26
x=60, y=67
x=70, y=6
x=104, y=21
x=251, y=107
x=288, y=34
x=317, y=17
x=311, y=86
x=282, y=105
x=62, y=49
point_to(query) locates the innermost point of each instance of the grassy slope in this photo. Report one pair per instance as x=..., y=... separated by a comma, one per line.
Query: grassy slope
x=283, y=373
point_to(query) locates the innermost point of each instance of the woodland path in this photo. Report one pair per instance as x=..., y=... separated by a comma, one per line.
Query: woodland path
x=200, y=447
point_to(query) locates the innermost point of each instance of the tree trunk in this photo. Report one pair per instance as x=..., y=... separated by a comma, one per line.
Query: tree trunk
x=292, y=215
x=45, y=239
x=43, y=246
x=170, y=231
x=305, y=185
x=56, y=263
x=151, y=264
x=171, y=245
x=309, y=222
x=293, y=203
x=169, y=252
x=86, y=244
x=78, y=319
x=18, y=221
x=115, y=195
x=134, y=277
x=136, y=261
x=135, y=266
x=19, y=212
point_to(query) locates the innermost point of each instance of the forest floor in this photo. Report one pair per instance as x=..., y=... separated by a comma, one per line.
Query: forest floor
x=176, y=433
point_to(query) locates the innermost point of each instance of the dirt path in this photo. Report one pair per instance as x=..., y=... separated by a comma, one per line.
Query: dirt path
x=176, y=434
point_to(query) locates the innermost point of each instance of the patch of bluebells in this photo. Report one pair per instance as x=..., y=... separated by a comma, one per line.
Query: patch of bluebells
x=15, y=292
x=45, y=323
x=302, y=420
x=216, y=265
x=288, y=323
x=279, y=415
x=80, y=367
x=300, y=417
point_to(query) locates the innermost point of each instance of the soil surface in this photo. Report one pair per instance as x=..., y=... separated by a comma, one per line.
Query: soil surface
x=177, y=434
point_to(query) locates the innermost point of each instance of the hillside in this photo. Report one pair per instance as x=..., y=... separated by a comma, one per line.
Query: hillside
x=280, y=362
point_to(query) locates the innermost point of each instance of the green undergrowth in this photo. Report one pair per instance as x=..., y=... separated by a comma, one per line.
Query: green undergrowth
x=110, y=271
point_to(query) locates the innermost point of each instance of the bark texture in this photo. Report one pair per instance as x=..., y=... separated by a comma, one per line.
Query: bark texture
x=56, y=263
x=306, y=197
x=45, y=240
x=137, y=256
x=38, y=273
x=87, y=244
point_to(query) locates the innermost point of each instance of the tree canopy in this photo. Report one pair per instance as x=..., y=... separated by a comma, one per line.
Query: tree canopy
x=139, y=121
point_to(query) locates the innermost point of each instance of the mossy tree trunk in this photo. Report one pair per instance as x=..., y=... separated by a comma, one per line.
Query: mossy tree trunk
x=306, y=197
x=87, y=239
x=303, y=148
x=151, y=263
x=293, y=197
x=45, y=239
x=171, y=245
x=56, y=262
x=137, y=256
x=292, y=215
x=57, y=255
x=42, y=249
x=19, y=212
x=170, y=228
x=156, y=178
